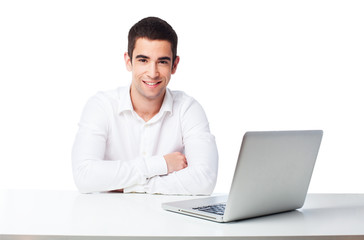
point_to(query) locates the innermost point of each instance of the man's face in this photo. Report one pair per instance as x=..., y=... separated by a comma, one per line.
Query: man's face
x=151, y=68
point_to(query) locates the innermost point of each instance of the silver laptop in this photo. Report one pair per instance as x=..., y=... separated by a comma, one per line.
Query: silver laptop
x=272, y=175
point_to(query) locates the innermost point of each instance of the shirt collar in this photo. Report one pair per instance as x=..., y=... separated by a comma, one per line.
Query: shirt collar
x=126, y=105
x=125, y=100
x=167, y=105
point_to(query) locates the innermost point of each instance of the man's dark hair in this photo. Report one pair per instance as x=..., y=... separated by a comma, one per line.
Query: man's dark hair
x=152, y=28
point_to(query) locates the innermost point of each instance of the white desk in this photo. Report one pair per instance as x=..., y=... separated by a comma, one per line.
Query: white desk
x=71, y=215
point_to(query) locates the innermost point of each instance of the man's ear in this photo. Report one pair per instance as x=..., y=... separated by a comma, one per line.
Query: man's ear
x=175, y=64
x=127, y=61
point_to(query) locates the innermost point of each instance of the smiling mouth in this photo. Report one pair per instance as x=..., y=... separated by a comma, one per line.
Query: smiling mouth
x=152, y=84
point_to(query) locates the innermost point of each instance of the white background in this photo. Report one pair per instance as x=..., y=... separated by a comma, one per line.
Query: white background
x=253, y=65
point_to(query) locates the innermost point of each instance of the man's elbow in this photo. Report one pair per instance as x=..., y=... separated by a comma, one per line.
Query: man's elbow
x=82, y=180
x=82, y=185
x=202, y=189
x=206, y=189
x=204, y=184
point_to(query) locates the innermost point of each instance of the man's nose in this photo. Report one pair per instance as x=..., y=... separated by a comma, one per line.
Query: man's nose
x=153, y=71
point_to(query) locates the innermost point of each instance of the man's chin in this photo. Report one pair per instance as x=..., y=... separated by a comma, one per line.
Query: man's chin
x=154, y=95
x=151, y=94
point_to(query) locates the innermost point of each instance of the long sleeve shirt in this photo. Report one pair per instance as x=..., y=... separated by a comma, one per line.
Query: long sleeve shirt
x=116, y=149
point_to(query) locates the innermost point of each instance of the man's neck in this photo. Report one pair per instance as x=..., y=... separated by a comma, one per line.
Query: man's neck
x=146, y=108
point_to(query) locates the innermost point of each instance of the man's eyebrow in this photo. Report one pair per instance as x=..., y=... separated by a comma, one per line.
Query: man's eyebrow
x=165, y=58
x=146, y=57
x=142, y=56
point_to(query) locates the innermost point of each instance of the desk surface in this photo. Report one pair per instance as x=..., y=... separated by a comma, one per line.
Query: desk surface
x=71, y=215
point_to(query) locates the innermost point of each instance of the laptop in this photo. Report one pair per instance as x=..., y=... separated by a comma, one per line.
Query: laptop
x=272, y=175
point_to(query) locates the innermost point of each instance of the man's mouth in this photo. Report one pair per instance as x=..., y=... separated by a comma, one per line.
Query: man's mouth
x=152, y=84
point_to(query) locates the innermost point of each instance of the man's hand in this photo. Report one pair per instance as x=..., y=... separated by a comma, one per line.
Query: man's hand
x=117, y=191
x=175, y=161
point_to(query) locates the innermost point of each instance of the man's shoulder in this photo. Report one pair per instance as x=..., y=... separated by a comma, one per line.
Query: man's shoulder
x=180, y=96
x=183, y=101
x=110, y=99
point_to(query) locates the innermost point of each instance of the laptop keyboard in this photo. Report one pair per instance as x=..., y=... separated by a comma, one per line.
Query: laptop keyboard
x=218, y=209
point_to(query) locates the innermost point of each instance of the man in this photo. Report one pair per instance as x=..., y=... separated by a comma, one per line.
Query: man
x=145, y=137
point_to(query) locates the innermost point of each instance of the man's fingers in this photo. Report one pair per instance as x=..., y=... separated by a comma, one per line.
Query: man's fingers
x=175, y=161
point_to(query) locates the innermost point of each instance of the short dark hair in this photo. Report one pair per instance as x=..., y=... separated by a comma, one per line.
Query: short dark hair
x=152, y=28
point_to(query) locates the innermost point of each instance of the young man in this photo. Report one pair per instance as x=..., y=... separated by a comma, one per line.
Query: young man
x=145, y=137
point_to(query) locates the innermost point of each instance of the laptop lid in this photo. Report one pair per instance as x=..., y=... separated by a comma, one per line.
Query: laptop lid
x=272, y=175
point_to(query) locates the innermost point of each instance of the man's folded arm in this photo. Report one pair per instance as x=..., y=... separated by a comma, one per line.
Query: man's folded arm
x=199, y=177
x=94, y=174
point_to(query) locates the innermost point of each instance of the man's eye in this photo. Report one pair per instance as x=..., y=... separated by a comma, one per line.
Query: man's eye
x=163, y=62
x=142, y=60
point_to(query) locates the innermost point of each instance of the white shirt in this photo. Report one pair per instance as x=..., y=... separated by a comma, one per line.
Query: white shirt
x=116, y=149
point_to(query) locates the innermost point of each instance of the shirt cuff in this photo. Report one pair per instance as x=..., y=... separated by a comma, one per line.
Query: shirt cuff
x=135, y=189
x=156, y=165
